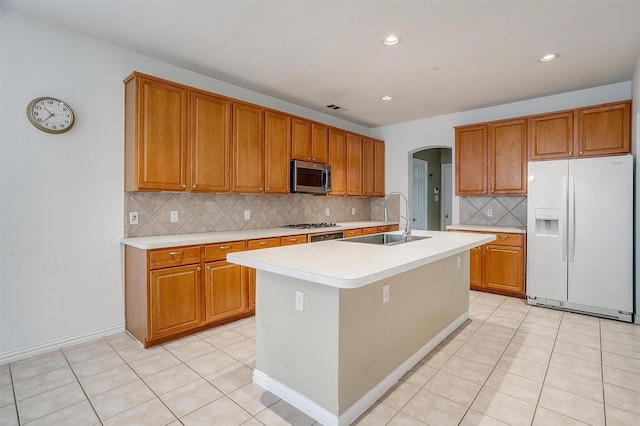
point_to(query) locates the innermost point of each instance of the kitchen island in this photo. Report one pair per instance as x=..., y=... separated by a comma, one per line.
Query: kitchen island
x=339, y=322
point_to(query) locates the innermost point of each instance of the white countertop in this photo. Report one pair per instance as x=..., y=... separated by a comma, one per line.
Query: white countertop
x=489, y=228
x=166, y=241
x=345, y=264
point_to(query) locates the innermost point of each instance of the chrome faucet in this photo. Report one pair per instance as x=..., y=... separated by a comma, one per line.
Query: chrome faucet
x=407, y=230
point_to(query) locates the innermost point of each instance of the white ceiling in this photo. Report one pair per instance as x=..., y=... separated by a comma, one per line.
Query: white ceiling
x=454, y=55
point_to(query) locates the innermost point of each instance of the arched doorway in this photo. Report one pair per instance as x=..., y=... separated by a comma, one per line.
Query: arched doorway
x=430, y=191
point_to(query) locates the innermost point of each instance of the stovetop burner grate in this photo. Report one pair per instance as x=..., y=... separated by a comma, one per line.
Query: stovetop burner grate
x=310, y=225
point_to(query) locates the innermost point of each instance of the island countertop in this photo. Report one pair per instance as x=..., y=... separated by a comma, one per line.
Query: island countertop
x=347, y=264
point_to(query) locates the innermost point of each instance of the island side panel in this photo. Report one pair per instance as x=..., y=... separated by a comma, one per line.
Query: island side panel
x=298, y=349
x=376, y=337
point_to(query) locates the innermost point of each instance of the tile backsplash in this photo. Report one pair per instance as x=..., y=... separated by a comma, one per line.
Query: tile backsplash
x=505, y=211
x=226, y=212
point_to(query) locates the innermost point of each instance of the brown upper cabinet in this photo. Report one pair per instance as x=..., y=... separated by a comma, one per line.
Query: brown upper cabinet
x=248, y=148
x=338, y=161
x=210, y=143
x=309, y=141
x=584, y=132
x=156, y=135
x=277, y=151
x=354, y=164
x=492, y=158
x=179, y=138
x=372, y=167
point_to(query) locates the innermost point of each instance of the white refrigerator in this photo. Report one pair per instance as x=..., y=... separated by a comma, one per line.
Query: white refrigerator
x=580, y=235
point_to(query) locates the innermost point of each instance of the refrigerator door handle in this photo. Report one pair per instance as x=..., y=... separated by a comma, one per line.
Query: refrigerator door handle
x=563, y=223
x=572, y=218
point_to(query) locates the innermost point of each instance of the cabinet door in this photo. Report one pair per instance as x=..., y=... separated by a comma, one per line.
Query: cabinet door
x=476, y=260
x=508, y=154
x=301, y=139
x=174, y=300
x=277, y=151
x=225, y=291
x=210, y=143
x=379, y=190
x=604, y=130
x=551, y=136
x=162, y=136
x=248, y=148
x=354, y=164
x=471, y=160
x=504, y=269
x=319, y=143
x=368, y=167
x=338, y=161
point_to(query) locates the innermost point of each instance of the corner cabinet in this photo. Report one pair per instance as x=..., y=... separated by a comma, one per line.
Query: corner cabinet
x=372, y=168
x=499, y=267
x=491, y=158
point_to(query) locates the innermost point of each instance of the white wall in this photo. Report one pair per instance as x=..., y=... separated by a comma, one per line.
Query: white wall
x=408, y=137
x=61, y=199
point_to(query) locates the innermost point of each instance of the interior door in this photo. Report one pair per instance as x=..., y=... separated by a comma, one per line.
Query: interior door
x=419, y=213
x=601, y=237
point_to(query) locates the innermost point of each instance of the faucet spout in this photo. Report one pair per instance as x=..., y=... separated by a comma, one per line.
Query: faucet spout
x=407, y=229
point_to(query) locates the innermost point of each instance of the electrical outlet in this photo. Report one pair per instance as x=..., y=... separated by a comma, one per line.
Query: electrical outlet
x=385, y=293
x=489, y=212
x=133, y=218
x=299, y=301
x=327, y=212
x=247, y=214
x=174, y=216
x=353, y=211
x=458, y=262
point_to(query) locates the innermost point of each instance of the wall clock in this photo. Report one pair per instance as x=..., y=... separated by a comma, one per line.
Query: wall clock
x=50, y=115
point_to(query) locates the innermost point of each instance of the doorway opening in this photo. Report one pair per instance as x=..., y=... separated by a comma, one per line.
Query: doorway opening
x=430, y=190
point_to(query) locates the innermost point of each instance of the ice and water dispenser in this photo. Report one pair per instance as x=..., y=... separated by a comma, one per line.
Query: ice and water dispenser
x=547, y=222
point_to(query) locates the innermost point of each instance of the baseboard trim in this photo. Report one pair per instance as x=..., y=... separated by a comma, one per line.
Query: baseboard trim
x=19, y=354
x=328, y=418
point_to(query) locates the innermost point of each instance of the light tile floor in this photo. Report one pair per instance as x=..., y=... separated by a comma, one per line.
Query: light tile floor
x=509, y=364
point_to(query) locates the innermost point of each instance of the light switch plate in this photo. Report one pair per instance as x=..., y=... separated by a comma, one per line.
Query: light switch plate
x=174, y=216
x=327, y=212
x=385, y=293
x=247, y=214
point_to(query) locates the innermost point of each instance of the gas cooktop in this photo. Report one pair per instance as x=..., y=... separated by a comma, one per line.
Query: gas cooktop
x=310, y=225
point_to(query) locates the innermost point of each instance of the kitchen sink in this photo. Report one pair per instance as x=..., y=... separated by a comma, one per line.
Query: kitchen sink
x=384, y=239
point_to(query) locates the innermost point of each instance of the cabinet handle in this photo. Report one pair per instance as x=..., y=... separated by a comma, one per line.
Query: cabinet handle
x=209, y=268
x=199, y=269
x=225, y=247
x=293, y=240
x=263, y=243
x=176, y=253
x=503, y=237
x=581, y=153
x=184, y=185
x=193, y=186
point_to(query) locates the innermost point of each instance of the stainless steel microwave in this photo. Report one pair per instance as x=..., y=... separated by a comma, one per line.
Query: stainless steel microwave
x=312, y=178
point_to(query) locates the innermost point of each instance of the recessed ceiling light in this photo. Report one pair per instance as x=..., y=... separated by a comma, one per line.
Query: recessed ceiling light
x=548, y=58
x=386, y=98
x=391, y=40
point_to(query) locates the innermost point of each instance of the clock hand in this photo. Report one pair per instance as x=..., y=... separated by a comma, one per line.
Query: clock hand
x=52, y=115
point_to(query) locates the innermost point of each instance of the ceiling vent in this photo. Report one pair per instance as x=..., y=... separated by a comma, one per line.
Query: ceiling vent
x=336, y=107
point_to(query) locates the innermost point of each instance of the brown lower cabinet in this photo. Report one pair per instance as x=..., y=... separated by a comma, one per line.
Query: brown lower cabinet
x=172, y=292
x=167, y=295
x=499, y=267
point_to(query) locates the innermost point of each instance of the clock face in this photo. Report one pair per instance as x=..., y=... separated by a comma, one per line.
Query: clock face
x=50, y=115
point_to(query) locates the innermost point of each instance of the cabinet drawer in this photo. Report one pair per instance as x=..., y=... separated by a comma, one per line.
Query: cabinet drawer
x=293, y=239
x=219, y=251
x=352, y=233
x=263, y=243
x=370, y=230
x=516, y=240
x=174, y=257
x=384, y=228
